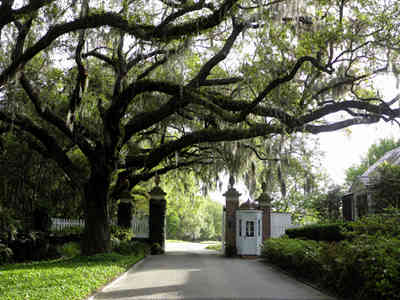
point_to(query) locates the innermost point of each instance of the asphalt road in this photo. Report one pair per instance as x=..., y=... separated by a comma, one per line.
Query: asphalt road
x=188, y=271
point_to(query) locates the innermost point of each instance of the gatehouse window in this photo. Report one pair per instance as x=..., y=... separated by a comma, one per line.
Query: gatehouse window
x=259, y=228
x=240, y=227
x=249, y=228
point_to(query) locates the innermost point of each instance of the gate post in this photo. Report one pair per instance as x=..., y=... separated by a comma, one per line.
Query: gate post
x=265, y=205
x=232, y=204
x=124, y=213
x=158, y=204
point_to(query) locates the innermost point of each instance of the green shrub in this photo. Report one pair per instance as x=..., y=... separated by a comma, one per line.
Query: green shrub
x=5, y=254
x=156, y=249
x=387, y=224
x=125, y=248
x=298, y=256
x=70, y=249
x=30, y=246
x=131, y=248
x=378, y=260
x=370, y=263
x=114, y=242
x=122, y=234
x=318, y=232
x=9, y=225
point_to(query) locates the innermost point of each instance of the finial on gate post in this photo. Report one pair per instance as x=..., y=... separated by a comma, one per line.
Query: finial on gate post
x=231, y=181
x=264, y=187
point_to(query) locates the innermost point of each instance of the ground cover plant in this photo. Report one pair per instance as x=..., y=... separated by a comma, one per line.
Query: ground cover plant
x=366, y=265
x=66, y=278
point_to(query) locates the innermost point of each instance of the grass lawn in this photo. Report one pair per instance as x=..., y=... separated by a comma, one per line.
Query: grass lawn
x=74, y=278
x=216, y=246
x=210, y=242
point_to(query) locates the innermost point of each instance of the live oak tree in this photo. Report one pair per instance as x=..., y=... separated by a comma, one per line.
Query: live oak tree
x=151, y=86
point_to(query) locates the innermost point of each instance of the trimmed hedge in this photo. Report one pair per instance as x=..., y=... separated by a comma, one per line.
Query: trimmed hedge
x=318, y=232
x=387, y=224
x=296, y=256
x=365, y=268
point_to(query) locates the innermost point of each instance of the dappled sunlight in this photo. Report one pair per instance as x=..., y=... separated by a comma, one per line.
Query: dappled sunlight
x=170, y=284
x=151, y=292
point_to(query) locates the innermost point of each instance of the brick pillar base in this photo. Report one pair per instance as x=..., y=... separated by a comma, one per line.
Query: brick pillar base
x=265, y=205
x=266, y=219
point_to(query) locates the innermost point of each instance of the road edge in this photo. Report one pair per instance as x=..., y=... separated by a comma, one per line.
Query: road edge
x=117, y=279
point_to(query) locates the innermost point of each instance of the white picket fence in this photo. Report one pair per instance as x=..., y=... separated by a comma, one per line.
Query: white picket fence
x=140, y=225
x=58, y=224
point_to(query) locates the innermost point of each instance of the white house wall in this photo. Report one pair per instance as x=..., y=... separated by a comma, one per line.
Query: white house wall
x=279, y=223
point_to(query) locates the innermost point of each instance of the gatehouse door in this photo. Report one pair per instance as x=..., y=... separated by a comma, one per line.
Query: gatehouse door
x=249, y=232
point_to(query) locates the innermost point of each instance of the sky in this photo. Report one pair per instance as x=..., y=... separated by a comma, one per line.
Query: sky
x=343, y=150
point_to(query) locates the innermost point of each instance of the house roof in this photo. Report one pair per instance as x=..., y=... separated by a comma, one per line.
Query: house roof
x=391, y=157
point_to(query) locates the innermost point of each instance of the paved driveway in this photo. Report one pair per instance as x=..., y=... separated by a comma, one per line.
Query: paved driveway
x=190, y=271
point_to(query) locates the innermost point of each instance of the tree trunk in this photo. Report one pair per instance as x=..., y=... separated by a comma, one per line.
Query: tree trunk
x=96, y=238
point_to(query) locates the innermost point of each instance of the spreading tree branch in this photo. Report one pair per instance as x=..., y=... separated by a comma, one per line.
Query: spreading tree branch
x=48, y=141
x=144, y=32
x=217, y=58
x=52, y=118
x=82, y=76
x=9, y=15
x=144, y=176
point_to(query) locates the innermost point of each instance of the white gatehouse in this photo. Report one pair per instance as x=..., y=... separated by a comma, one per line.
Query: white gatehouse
x=247, y=226
x=249, y=231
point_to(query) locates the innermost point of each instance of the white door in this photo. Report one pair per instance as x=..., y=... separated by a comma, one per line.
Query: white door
x=248, y=235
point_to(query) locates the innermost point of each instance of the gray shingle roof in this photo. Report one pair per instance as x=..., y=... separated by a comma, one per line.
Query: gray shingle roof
x=391, y=157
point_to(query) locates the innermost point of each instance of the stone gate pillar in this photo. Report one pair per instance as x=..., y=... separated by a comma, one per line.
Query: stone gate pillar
x=265, y=205
x=157, y=212
x=124, y=213
x=232, y=204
